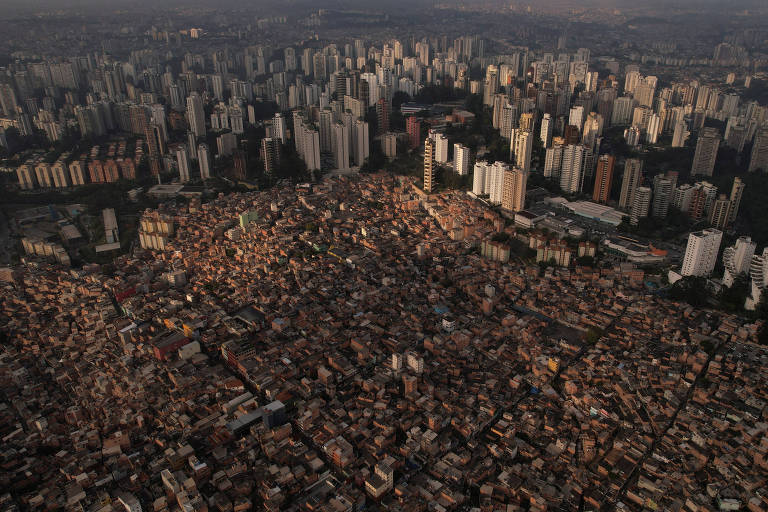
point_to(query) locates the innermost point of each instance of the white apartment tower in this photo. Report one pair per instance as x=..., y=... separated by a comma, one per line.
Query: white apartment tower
x=701, y=252
x=461, y=159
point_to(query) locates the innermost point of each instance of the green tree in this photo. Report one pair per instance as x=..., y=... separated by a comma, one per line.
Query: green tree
x=691, y=289
x=732, y=299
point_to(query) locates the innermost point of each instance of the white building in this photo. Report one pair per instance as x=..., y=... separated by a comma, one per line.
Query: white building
x=495, y=181
x=701, y=252
x=204, y=159
x=441, y=148
x=196, y=114
x=478, y=178
x=737, y=259
x=641, y=201
x=182, y=161
x=576, y=116
x=546, y=130
x=278, y=128
x=414, y=362
x=758, y=270
x=461, y=159
x=340, y=142
x=522, y=146
x=360, y=142
x=571, y=174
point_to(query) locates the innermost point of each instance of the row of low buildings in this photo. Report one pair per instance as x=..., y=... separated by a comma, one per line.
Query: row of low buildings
x=102, y=164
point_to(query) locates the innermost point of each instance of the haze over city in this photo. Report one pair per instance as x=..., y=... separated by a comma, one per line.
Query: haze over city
x=342, y=256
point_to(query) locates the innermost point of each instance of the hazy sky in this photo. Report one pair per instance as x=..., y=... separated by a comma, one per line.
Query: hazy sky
x=284, y=5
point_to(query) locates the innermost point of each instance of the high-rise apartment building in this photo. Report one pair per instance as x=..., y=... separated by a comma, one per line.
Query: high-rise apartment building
x=553, y=160
x=680, y=134
x=603, y=179
x=413, y=128
x=441, y=148
x=495, y=182
x=479, y=178
x=182, y=161
x=522, y=147
x=571, y=172
x=758, y=272
x=270, y=154
x=340, y=143
x=360, y=142
x=759, y=157
x=389, y=145
x=737, y=259
x=641, y=202
x=737, y=190
x=633, y=176
x=720, y=212
x=196, y=114
x=491, y=84
x=461, y=159
x=204, y=160
x=546, y=130
x=278, y=128
x=513, y=193
x=701, y=252
x=662, y=195
x=382, y=116
x=706, y=152
x=429, y=165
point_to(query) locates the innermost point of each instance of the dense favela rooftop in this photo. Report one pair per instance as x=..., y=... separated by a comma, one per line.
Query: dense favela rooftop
x=345, y=344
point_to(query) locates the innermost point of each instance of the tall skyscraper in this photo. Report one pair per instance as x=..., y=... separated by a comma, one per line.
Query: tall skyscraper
x=389, y=145
x=270, y=154
x=603, y=179
x=182, y=161
x=759, y=157
x=204, y=160
x=341, y=145
x=491, y=84
x=662, y=195
x=720, y=212
x=278, y=125
x=360, y=142
x=703, y=198
x=737, y=258
x=495, y=182
x=553, y=160
x=441, y=148
x=382, y=116
x=737, y=190
x=633, y=176
x=706, y=152
x=641, y=202
x=307, y=141
x=571, y=175
x=429, y=164
x=758, y=270
x=701, y=252
x=513, y=194
x=576, y=116
x=413, y=128
x=522, y=147
x=196, y=114
x=680, y=134
x=479, y=178
x=546, y=130
x=460, y=159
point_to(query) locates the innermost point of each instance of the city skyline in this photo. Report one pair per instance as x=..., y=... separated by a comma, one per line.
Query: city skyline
x=455, y=256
